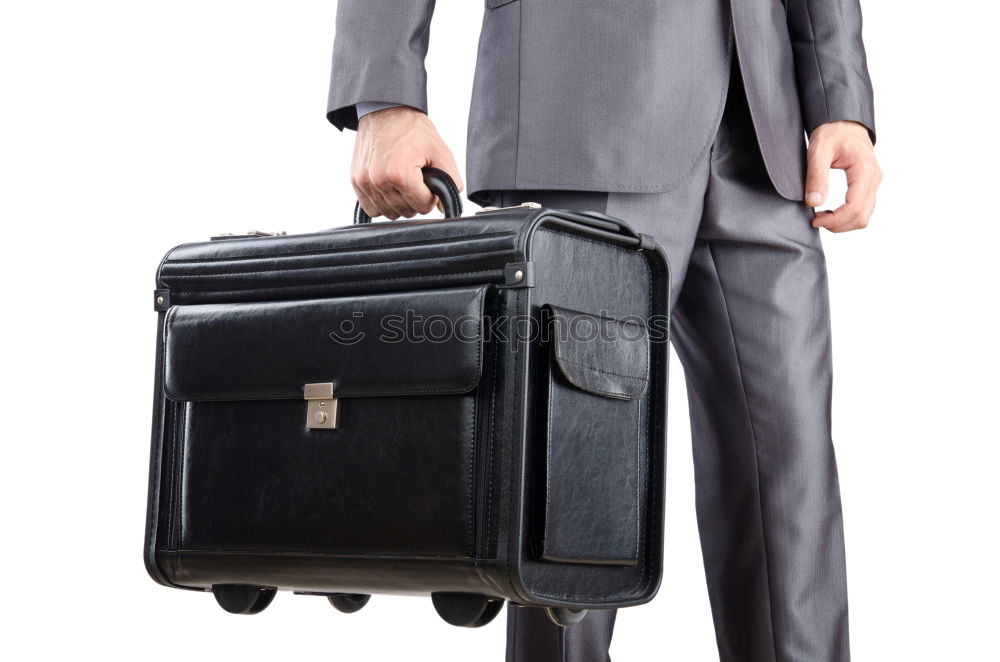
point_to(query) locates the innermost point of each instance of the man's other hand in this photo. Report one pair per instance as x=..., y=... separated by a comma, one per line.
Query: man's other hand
x=846, y=146
x=391, y=148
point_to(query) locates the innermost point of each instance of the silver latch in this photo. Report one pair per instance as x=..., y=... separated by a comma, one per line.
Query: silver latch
x=245, y=235
x=323, y=410
x=528, y=205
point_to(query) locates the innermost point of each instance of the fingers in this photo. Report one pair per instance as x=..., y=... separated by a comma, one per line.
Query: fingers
x=373, y=203
x=391, y=148
x=367, y=203
x=389, y=184
x=818, y=160
x=399, y=192
x=392, y=193
x=844, y=145
x=359, y=176
x=409, y=184
x=846, y=217
x=863, y=179
x=443, y=159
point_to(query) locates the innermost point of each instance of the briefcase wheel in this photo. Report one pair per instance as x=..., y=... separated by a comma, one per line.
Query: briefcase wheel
x=468, y=610
x=564, y=616
x=243, y=598
x=348, y=602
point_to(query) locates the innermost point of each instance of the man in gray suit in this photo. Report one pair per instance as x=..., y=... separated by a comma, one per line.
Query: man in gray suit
x=687, y=119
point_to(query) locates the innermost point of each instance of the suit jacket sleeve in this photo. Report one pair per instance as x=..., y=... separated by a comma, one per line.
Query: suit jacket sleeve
x=378, y=54
x=830, y=62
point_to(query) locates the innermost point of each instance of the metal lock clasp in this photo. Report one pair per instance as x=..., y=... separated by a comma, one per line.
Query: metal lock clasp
x=323, y=410
x=246, y=235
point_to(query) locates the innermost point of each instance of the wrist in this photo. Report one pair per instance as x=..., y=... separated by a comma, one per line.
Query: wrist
x=365, y=107
x=842, y=127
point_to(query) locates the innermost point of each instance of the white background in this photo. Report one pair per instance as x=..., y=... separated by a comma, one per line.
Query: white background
x=127, y=127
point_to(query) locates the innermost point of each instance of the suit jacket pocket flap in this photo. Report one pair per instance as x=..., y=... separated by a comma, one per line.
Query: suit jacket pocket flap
x=601, y=355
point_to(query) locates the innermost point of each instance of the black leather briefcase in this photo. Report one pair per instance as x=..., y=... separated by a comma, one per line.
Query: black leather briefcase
x=472, y=408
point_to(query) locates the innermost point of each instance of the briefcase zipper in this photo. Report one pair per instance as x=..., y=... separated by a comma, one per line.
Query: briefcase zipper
x=482, y=470
x=177, y=461
x=484, y=465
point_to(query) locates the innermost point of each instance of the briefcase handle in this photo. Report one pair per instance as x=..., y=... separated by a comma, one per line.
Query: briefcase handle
x=440, y=184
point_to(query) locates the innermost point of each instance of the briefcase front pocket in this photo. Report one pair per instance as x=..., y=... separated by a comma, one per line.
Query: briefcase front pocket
x=344, y=426
x=596, y=375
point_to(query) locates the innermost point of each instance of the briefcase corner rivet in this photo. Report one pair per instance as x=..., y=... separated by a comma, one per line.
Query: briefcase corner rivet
x=159, y=300
x=518, y=276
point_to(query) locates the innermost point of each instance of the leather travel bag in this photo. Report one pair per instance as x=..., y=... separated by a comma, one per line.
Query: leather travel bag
x=470, y=408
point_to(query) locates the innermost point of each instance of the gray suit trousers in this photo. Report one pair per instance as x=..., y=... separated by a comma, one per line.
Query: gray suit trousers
x=751, y=326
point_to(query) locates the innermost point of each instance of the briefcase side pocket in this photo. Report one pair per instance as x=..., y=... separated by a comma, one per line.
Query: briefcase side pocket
x=597, y=372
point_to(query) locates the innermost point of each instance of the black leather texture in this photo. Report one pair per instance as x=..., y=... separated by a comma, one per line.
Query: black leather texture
x=597, y=373
x=412, y=343
x=616, y=281
x=395, y=479
x=601, y=355
x=472, y=454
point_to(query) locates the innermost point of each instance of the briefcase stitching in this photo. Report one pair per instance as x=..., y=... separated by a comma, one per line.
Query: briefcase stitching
x=347, y=249
x=282, y=270
x=428, y=277
x=492, y=443
x=324, y=555
x=470, y=543
x=601, y=370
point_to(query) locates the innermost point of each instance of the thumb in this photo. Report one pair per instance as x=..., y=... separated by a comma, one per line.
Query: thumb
x=443, y=159
x=817, y=175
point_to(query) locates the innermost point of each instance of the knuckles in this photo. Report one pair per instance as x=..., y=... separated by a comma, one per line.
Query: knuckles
x=379, y=179
x=394, y=178
x=387, y=179
x=385, y=190
x=360, y=180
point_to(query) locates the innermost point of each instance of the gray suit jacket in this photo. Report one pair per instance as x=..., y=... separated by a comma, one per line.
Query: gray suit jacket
x=616, y=95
